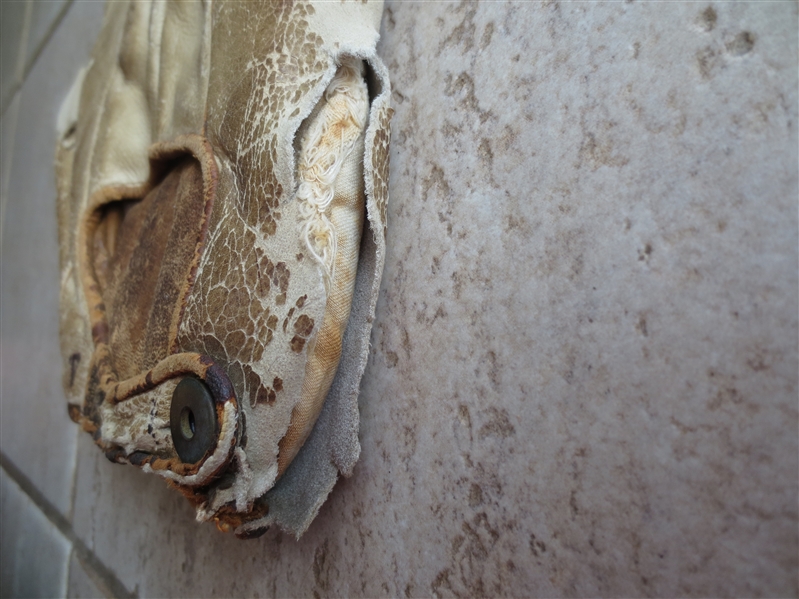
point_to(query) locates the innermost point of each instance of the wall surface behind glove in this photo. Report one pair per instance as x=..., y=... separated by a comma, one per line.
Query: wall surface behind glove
x=584, y=368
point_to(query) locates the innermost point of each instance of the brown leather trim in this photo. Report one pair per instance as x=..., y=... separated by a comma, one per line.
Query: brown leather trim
x=105, y=379
x=176, y=365
x=171, y=367
x=200, y=148
x=160, y=155
x=86, y=231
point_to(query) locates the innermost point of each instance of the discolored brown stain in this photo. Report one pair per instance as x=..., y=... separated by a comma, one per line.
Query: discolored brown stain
x=441, y=581
x=253, y=384
x=537, y=546
x=321, y=569
x=303, y=325
x=706, y=60
x=463, y=416
x=463, y=34
x=277, y=275
x=641, y=326
x=488, y=32
x=437, y=183
x=475, y=495
x=266, y=395
x=741, y=44
x=380, y=152
x=498, y=425
x=598, y=149
x=707, y=19
x=286, y=320
x=462, y=88
x=297, y=343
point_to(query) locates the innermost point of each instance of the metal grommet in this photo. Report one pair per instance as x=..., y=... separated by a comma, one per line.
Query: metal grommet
x=192, y=420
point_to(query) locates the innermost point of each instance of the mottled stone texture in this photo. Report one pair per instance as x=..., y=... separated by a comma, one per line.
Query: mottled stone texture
x=585, y=368
x=583, y=379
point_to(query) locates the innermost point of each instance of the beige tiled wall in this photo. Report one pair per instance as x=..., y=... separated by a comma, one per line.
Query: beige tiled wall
x=583, y=378
x=43, y=46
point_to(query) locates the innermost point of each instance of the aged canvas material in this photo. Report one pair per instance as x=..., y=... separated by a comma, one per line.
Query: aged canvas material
x=222, y=187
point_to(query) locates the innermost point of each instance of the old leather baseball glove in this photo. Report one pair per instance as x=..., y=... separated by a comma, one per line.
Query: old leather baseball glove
x=222, y=187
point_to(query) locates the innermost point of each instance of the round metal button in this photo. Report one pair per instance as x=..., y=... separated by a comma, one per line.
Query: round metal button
x=192, y=420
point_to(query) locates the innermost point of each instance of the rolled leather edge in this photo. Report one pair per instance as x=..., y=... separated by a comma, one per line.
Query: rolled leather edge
x=333, y=447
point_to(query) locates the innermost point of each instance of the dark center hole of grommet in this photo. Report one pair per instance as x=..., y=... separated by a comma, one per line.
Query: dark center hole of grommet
x=187, y=424
x=192, y=418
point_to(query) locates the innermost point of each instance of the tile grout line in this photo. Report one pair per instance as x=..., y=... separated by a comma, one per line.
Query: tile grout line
x=24, y=67
x=73, y=492
x=46, y=38
x=19, y=67
x=96, y=569
x=103, y=578
x=6, y=161
x=12, y=101
x=71, y=516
